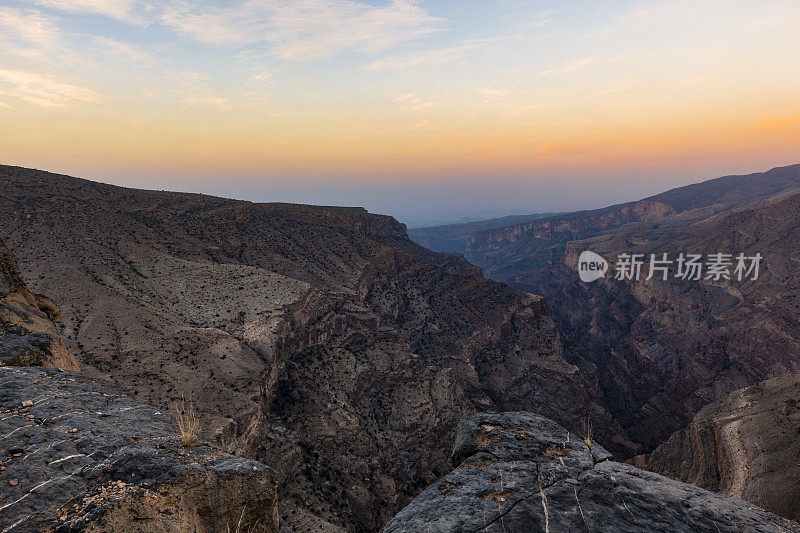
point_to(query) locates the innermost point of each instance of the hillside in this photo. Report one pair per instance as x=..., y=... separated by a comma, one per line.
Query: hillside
x=80, y=454
x=505, y=252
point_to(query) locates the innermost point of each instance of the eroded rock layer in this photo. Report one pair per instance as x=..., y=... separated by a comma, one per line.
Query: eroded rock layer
x=28, y=335
x=745, y=446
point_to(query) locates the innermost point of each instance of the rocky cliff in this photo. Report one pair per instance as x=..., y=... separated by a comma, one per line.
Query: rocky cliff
x=663, y=350
x=367, y=386
x=523, y=472
x=82, y=455
x=507, y=250
x=744, y=446
x=28, y=335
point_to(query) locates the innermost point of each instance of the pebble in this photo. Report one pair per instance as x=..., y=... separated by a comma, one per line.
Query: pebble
x=27, y=403
x=13, y=482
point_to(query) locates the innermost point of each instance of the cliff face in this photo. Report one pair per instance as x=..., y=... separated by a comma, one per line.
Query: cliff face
x=745, y=446
x=510, y=246
x=367, y=386
x=28, y=335
x=522, y=472
x=482, y=244
x=663, y=350
x=171, y=293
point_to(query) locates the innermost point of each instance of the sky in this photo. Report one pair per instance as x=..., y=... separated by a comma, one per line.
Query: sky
x=427, y=110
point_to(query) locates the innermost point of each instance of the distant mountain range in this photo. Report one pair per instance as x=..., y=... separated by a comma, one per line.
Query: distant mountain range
x=452, y=238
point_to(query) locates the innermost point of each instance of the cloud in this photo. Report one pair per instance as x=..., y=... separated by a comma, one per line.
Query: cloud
x=118, y=9
x=774, y=127
x=122, y=51
x=539, y=20
x=208, y=100
x=28, y=26
x=434, y=58
x=307, y=30
x=44, y=91
x=574, y=65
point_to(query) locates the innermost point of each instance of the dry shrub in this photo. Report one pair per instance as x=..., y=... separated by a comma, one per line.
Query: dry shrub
x=188, y=423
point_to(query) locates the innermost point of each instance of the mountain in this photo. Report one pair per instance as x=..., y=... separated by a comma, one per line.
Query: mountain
x=665, y=349
x=522, y=472
x=744, y=446
x=452, y=238
x=509, y=251
x=319, y=340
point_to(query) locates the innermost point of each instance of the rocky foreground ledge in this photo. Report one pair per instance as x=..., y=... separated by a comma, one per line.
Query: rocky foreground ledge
x=522, y=472
x=82, y=455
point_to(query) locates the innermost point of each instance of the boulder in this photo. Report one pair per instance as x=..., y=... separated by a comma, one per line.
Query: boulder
x=522, y=472
x=81, y=455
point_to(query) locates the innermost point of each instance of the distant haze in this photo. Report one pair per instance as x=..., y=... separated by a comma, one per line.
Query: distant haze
x=438, y=201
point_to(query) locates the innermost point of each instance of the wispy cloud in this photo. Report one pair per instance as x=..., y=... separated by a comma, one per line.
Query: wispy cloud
x=118, y=50
x=308, y=30
x=118, y=9
x=434, y=58
x=27, y=25
x=28, y=36
x=210, y=100
x=41, y=90
x=570, y=67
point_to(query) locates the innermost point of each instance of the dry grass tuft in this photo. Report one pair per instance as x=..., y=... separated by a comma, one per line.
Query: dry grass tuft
x=239, y=529
x=588, y=438
x=188, y=423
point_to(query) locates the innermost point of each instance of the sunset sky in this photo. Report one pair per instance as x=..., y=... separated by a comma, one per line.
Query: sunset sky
x=426, y=110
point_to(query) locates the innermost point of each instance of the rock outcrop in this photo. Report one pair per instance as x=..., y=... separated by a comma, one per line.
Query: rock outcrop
x=28, y=336
x=523, y=472
x=745, y=446
x=81, y=455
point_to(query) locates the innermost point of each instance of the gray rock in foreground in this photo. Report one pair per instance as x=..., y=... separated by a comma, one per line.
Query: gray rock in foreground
x=522, y=472
x=81, y=455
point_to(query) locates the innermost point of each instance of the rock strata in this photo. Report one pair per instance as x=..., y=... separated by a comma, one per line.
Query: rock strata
x=744, y=446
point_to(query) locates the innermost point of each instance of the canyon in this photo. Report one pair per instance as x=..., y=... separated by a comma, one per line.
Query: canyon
x=340, y=358
x=321, y=341
x=666, y=349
